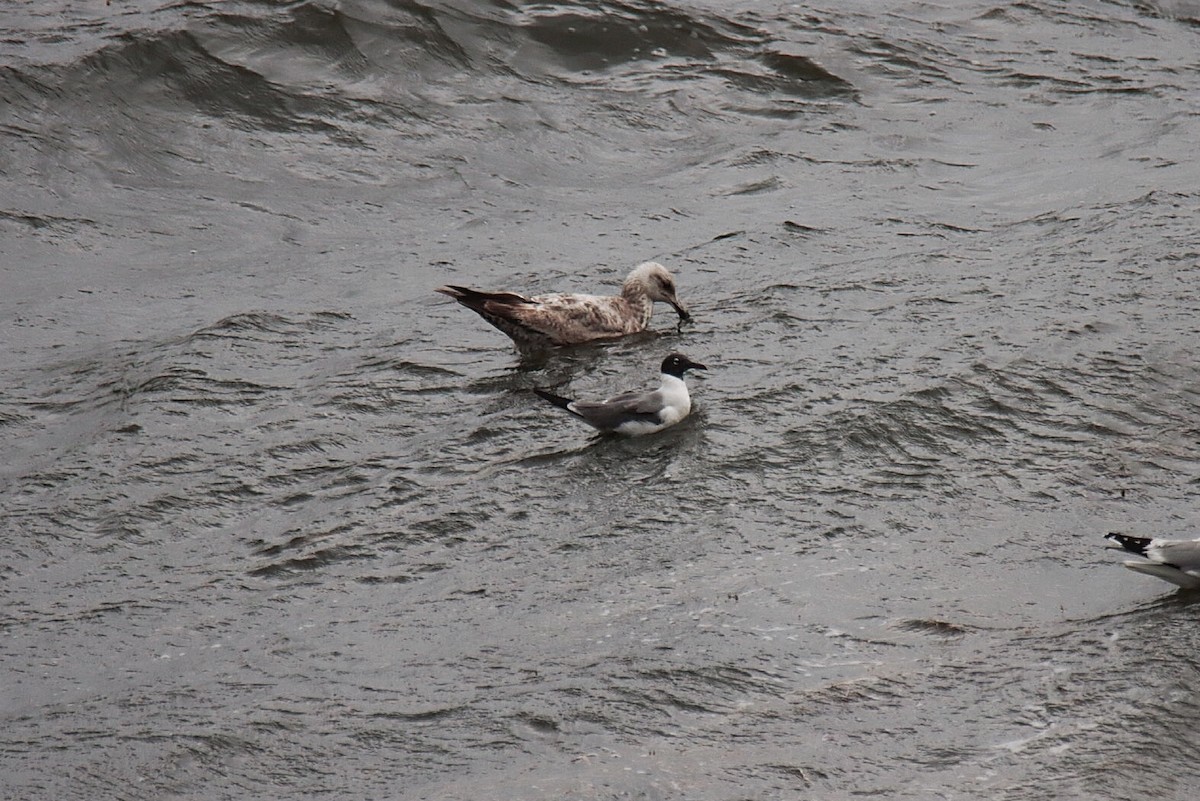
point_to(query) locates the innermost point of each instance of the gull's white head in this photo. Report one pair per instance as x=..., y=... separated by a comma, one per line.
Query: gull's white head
x=656, y=282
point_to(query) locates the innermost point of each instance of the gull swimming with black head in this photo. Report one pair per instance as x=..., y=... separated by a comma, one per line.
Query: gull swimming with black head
x=1176, y=561
x=637, y=413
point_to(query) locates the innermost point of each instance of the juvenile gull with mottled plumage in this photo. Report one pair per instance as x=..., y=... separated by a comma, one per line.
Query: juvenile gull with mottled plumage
x=561, y=319
x=636, y=413
x=1176, y=561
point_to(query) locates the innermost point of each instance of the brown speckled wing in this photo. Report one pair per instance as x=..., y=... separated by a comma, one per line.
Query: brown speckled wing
x=572, y=319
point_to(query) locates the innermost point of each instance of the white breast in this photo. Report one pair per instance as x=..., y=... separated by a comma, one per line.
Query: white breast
x=677, y=402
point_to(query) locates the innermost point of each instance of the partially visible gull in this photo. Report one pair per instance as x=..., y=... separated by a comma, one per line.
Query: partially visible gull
x=1176, y=561
x=545, y=320
x=636, y=413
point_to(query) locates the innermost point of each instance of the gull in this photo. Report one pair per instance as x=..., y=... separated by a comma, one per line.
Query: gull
x=637, y=413
x=560, y=319
x=1176, y=561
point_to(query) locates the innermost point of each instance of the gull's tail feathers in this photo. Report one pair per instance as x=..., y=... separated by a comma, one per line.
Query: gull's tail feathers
x=1166, y=573
x=557, y=400
x=1136, y=545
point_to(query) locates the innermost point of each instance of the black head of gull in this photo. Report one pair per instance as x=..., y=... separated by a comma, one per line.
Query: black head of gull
x=1176, y=561
x=677, y=364
x=637, y=413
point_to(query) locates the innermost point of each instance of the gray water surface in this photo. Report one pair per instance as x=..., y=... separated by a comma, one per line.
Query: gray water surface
x=283, y=523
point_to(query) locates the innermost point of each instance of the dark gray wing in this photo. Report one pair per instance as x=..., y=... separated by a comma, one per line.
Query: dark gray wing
x=609, y=414
x=1183, y=554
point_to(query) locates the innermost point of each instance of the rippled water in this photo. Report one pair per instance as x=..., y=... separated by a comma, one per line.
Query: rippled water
x=283, y=523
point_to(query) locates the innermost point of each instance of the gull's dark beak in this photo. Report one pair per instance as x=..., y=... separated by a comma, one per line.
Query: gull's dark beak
x=680, y=309
x=695, y=365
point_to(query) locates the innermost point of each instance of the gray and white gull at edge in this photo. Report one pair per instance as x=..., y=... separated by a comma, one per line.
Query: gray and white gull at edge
x=544, y=321
x=1176, y=561
x=637, y=413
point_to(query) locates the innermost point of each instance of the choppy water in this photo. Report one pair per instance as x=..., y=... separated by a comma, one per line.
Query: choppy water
x=282, y=523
